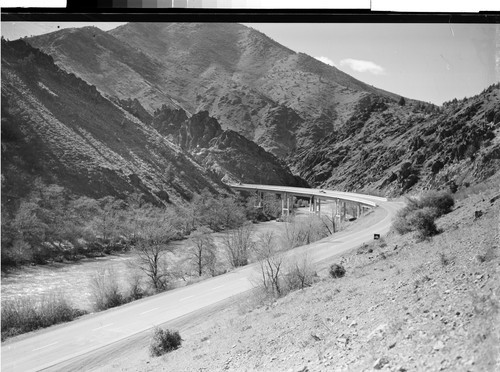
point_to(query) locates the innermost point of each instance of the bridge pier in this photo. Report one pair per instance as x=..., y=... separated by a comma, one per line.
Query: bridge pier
x=358, y=205
x=315, y=205
x=285, y=207
x=311, y=205
x=260, y=198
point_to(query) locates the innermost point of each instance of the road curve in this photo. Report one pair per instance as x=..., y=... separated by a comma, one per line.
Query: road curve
x=367, y=200
x=50, y=347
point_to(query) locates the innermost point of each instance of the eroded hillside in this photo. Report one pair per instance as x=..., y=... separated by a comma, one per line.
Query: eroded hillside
x=60, y=128
x=394, y=149
x=331, y=129
x=248, y=82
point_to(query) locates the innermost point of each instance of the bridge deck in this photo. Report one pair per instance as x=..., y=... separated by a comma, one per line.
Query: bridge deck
x=366, y=200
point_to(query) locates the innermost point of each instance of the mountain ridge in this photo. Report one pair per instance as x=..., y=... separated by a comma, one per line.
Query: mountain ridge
x=331, y=129
x=237, y=74
x=60, y=128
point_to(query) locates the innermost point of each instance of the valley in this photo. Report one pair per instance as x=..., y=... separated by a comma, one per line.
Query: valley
x=119, y=149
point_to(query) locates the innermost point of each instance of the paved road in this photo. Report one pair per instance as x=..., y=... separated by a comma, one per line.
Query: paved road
x=368, y=200
x=51, y=347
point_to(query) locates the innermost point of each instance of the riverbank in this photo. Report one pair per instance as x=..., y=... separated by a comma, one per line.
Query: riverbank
x=73, y=279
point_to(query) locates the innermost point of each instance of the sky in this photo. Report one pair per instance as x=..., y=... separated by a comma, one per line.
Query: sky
x=429, y=62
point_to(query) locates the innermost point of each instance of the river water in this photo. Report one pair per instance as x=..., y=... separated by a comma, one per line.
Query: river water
x=73, y=280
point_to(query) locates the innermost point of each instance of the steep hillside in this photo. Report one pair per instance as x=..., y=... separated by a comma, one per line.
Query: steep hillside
x=385, y=147
x=251, y=84
x=58, y=127
x=331, y=129
x=223, y=152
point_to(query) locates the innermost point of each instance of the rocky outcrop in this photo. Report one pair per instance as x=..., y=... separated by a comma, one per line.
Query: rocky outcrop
x=225, y=153
x=385, y=148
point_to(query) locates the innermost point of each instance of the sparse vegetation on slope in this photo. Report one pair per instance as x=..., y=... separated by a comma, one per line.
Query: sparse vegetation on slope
x=164, y=341
x=397, y=149
x=420, y=214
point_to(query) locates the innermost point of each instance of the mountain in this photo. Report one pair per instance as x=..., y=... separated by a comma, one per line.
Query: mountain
x=388, y=148
x=222, y=151
x=57, y=127
x=331, y=129
x=280, y=99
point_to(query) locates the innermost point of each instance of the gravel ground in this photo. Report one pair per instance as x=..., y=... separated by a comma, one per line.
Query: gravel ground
x=402, y=306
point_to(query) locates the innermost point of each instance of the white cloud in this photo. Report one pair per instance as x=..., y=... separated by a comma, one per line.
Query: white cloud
x=326, y=60
x=363, y=66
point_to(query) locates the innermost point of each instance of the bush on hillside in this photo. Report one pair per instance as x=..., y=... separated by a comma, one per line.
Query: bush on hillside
x=336, y=271
x=419, y=214
x=422, y=221
x=441, y=201
x=400, y=223
x=164, y=341
x=299, y=274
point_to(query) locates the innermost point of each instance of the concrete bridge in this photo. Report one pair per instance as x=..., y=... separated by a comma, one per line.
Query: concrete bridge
x=315, y=196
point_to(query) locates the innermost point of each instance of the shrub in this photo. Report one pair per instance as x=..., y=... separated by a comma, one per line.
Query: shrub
x=336, y=271
x=422, y=221
x=164, y=341
x=300, y=274
x=400, y=223
x=419, y=214
x=135, y=291
x=237, y=244
x=105, y=290
x=25, y=314
x=441, y=201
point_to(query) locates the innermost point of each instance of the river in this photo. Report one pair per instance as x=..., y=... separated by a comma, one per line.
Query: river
x=73, y=280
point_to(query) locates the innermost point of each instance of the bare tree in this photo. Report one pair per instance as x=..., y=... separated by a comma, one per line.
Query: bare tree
x=299, y=273
x=152, y=248
x=302, y=231
x=271, y=259
x=203, y=250
x=238, y=244
x=105, y=289
x=329, y=220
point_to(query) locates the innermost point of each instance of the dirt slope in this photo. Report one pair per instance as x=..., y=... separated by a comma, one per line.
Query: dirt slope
x=404, y=306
